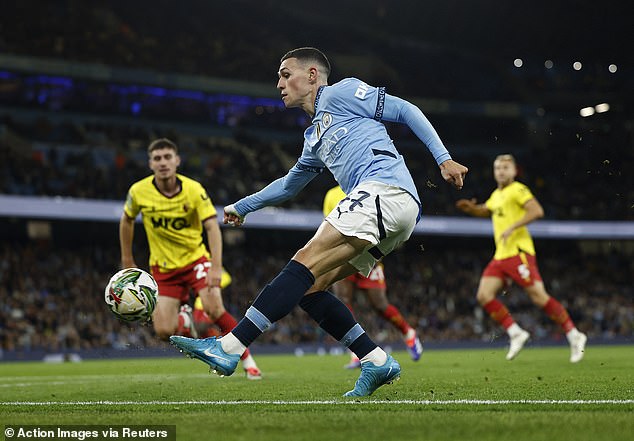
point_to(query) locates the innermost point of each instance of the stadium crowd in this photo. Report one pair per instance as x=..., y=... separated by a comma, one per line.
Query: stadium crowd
x=54, y=295
x=117, y=33
x=100, y=160
x=380, y=43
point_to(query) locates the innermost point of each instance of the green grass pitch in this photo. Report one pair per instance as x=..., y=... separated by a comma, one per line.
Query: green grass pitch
x=447, y=395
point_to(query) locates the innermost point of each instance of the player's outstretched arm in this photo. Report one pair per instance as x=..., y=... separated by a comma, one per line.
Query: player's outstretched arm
x=471, y=207
x=399, y=110
x=214, y=242
x=275, y=193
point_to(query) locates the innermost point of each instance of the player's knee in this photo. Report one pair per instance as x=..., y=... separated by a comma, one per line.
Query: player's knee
x=538, y=296
x=484, y=297
x=380, y=307
x=319, y=285
x=378, y=299
x=302, y=256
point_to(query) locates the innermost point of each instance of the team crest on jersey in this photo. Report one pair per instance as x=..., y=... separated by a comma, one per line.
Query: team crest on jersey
x=326, y=120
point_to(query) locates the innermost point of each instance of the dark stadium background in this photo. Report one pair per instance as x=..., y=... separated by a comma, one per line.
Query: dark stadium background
x=86, y=85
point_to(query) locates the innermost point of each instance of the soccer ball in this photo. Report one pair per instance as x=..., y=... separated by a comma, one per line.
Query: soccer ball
x=131, y=295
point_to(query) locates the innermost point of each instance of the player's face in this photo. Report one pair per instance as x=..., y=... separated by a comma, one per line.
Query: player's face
x=504, y=171
x=164, y=163
x=295, y=83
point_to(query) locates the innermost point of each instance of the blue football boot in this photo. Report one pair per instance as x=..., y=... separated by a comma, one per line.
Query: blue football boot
x=372, y=377
x=208, y=350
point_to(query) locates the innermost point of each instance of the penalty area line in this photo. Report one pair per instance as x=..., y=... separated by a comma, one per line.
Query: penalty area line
x=313, y=402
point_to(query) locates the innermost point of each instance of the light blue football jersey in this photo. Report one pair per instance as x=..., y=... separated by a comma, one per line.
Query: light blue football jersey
x=347, y=136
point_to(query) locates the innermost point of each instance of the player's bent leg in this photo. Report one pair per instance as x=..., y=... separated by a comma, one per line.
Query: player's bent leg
x=487, y=289
x=344, y=290
x=277, y=299
x=165, y=316
x=537, y=293
x=212, y=303
x=378, y=368
x=286, y=290
x=215, y=309
x=204, y=325
x=329, y=250
x=378, y=299
x=557, y=313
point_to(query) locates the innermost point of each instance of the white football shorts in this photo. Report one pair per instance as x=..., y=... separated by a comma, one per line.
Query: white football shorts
x=382, y=214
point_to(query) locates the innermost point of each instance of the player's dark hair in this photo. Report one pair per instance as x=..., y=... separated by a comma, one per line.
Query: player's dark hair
x=304, y=54
x=162, y=143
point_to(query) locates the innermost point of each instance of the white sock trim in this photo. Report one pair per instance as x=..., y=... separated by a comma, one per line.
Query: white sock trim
x=513, y=330
x=572, y=334
x=377, y=356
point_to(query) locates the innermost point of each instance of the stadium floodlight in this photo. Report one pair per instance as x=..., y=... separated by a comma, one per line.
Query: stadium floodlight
x=518, y=62
x=548, y=64
x=602, y=108
x=586, y=111
x=577, y=65
x=612, y=68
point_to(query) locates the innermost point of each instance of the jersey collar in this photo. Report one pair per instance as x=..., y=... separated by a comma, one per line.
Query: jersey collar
x=180, y=184
x=319, y=91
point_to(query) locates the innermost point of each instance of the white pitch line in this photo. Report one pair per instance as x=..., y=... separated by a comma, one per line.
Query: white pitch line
x=48, y=383
x=311, y=402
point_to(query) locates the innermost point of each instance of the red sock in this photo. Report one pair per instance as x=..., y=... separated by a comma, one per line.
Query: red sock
x=245, y=354
x=499, y=313
x=201, y=316
x=204, y=325
x=558, y=314
x=393, y=315
x=226, y=322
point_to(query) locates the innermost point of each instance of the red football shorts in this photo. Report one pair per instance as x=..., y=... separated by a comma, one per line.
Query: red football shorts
x=521, y=268
x=376, y=279
x=177, y=283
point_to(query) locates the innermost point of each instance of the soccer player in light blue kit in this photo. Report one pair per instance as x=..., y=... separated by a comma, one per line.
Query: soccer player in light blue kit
x=347, y=136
